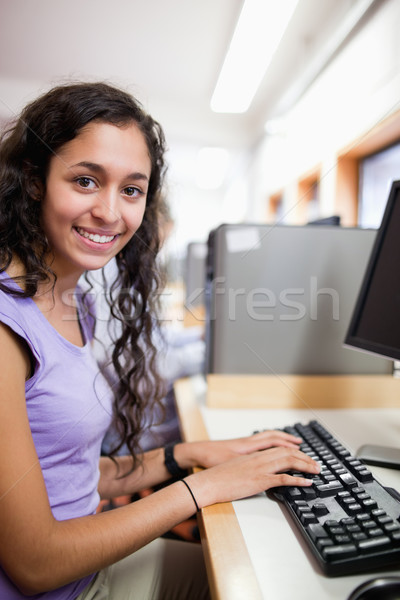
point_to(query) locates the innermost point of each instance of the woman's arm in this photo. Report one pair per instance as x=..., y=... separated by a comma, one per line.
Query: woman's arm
x=188, y=455
x=254, y=464
x=118, y=479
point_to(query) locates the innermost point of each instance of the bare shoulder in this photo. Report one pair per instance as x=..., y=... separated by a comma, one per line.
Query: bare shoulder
x=15, y=356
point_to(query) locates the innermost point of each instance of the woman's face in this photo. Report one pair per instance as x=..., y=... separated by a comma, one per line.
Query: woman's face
x=95, y=196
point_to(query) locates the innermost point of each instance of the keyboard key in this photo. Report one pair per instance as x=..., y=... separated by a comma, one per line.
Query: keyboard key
x=299, y=503
x=364, y=496
x=352, y=462
x=323, y=543
x=353, y=529
x=309, y=493
x=362, y=517
x=329, y=489
x=365, y=475
x=317, y=531
x=293, y=493
x=317, y=481
x=337, y=531
x=391, y=528
x=353, y=508
x=344, y=494
x=349, y=502
x=320, y=509
x=348, y=479
x=369, y=524
x=369, y=504
x=342, y=453
x=308, y=518
x=395, y=536
x=348, y=522
x=340, y=471
x=378, y=512
x=331, y=523
x=376, y=532
x=342, y=539
x=384, y=520
x=339, y=552
x=374, y=544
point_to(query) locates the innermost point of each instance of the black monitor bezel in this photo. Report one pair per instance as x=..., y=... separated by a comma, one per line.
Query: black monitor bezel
x=352, y=339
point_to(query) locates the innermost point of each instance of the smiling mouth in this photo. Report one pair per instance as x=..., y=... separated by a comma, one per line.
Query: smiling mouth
x=95, y=237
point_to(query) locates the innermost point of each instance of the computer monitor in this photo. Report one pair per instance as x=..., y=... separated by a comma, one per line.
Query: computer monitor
x=279, y=299
x=375, y=323
x=332, y=220
x=195, y=274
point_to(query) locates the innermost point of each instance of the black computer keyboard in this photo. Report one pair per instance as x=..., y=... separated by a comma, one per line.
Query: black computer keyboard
x=349, y=520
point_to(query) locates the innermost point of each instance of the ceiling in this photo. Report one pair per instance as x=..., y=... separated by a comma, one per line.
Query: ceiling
x=166, y=52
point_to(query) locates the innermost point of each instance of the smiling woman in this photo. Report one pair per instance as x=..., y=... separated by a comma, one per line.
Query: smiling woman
x=81, y=173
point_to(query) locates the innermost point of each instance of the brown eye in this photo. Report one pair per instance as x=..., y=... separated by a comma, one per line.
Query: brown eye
x=132, y=191
x=84, y=182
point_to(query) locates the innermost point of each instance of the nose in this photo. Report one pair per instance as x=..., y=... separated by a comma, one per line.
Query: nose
x=106, y=207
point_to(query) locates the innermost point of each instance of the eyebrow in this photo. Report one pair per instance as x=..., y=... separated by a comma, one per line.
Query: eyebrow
x=100, y=169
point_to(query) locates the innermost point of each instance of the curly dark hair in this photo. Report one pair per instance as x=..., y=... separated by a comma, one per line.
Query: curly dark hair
x=26, y=148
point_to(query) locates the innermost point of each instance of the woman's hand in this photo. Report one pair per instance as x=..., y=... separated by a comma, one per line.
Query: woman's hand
x=249, y=474
x=211, y=453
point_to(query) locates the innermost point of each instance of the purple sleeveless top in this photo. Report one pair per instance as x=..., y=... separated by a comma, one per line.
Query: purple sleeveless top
x=69, y=410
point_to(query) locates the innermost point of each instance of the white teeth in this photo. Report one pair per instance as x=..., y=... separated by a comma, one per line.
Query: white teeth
x=95, y=237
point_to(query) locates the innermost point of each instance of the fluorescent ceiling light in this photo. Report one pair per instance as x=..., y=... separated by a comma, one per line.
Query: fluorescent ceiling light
x=211, y=168
x=259, y=30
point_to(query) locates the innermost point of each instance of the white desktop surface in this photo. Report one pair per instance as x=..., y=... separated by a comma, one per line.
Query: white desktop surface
x=281, y=560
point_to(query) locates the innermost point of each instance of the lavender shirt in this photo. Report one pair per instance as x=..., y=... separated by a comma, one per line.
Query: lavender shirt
x=69, y=410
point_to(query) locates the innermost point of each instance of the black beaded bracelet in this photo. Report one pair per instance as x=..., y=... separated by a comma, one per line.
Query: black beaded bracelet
x=171, y=465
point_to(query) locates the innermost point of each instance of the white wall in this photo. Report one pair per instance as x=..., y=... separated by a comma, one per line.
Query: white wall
x=358, y=89
x=197, y=211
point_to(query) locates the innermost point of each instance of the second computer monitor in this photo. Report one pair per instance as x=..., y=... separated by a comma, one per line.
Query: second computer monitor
x=195, y=274
x=279, y=299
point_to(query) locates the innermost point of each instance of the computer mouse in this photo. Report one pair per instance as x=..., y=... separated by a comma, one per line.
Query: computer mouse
x=379, y=588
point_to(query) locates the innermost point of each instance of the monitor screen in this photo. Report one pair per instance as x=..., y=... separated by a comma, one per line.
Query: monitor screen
x=375, y=323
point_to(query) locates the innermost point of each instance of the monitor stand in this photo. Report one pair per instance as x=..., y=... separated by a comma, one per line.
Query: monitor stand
x=380, y=456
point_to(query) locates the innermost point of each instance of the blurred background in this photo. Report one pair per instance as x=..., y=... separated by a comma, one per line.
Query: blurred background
x=309, y=127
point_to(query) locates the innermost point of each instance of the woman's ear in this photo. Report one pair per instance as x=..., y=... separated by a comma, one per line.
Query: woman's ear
x=34, y=185
x=37, y=190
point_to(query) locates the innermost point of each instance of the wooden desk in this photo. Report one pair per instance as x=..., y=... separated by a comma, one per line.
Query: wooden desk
x=194, y=317
x=230, y=570
x=296, y=391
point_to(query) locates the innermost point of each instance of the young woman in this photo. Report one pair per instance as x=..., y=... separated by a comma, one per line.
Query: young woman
x=81, y=171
